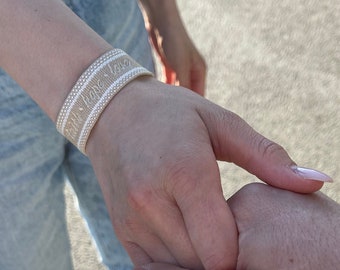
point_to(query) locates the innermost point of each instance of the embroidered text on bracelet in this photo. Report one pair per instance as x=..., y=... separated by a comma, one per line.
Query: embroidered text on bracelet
x=93, y=91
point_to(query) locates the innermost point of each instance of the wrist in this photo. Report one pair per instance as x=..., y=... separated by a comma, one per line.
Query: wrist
x=94, y=90
x=120, y=113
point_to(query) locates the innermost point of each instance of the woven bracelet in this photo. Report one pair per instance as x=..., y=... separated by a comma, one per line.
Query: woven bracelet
x=93, y=91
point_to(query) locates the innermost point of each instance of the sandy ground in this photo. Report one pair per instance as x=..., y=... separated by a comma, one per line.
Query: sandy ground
x=276, y=64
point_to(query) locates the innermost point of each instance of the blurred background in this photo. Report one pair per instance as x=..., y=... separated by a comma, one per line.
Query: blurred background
x=277, y=65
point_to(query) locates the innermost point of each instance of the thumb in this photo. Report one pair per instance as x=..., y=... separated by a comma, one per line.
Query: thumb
x=233, y=140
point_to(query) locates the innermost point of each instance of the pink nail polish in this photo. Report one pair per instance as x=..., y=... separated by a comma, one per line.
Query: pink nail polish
x=311, y=174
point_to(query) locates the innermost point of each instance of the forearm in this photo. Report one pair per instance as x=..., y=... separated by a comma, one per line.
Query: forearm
x=45, y=49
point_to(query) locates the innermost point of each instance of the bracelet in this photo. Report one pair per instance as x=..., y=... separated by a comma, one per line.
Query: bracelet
x=93, y=91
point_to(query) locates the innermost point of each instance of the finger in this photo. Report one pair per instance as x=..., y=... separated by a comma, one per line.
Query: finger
x=183, y=76
x=235, y=141
x=147, y=247
x=198, y=82
x=170, y=227
x=163, y=218
x=137, y=254
x=214, y=234
x=198, y=78
x=208, y=219
x=169, y=74
x=249, y=203
x=193, y=79
x=156, y=43
x=159, y=266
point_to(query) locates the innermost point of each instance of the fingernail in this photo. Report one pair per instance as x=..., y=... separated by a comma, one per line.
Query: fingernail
x=311, y=174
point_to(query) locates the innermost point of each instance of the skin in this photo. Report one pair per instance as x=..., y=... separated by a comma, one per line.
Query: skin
x=154, y=148
x=174, y=167
x=181, y=62
x=282, y=230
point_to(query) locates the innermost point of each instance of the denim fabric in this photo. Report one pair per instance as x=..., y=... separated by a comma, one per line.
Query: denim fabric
x=35, y=161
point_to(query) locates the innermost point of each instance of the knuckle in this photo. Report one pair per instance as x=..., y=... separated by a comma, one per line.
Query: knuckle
x=269, y=148
x=252, y=190
x=243, y=202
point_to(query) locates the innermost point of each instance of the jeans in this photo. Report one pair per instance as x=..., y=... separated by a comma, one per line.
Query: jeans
x=35, y=161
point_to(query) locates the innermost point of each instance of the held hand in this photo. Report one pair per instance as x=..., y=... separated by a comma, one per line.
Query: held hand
x=154, y=151
x=279, y=229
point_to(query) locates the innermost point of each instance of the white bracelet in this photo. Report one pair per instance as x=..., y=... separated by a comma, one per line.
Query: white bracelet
x=93, y=91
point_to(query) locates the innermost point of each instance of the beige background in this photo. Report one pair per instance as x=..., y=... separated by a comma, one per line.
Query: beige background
x=276, y=64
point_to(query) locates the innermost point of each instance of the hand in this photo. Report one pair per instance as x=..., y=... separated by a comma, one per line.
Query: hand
x=154, y=151
x=182, y=64
x=159, y=266
x=284, y=230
